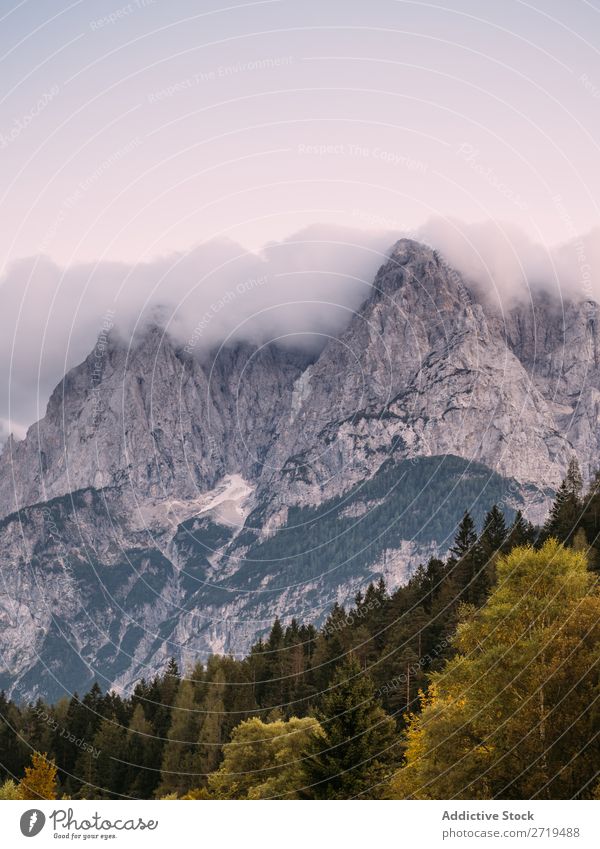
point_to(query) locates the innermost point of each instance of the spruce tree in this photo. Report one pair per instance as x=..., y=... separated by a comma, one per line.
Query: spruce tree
x=566, y=511
x=465, y=539
x=359, y=742
x=143, y=752
x=491, y=544
x=108, y=769
x=465, y=560
x=179, y=762
x=494, y=533
x=163, y=693
x=521, y=532
x=211, y=736
x=590, y=521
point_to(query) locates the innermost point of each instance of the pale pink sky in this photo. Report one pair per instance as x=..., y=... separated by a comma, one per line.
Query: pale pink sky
x=129, y=130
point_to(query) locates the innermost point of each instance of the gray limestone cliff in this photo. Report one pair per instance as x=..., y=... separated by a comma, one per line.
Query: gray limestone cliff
x=173, y=503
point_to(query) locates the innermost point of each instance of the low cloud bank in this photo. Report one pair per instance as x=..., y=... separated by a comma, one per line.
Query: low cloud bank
x=298, y=291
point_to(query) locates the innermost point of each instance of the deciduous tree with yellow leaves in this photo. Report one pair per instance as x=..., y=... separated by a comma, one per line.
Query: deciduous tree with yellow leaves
x=515, y=713
x=39, y=781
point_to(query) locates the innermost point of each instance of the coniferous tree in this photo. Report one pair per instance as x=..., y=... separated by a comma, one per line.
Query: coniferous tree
x=465, y=539
x=566, y=511
x=108, y=768
x=359, y=742
x=491, y=543
x=494, y=533
x=590, y=521
x=211, y=734
x=466, y=560
x=15, y=752
x=521, y=532
x=143, y=751
x=179, y=771
x=433, y=578
x=162, y=696
x=9, y=791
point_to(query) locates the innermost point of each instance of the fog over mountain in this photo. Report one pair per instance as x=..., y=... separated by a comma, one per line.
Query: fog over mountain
x=184, y=487
x=298, y=291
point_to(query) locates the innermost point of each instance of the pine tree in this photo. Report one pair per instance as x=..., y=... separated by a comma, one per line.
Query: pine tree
x=494, y=533
x=142, y=753
x=590, y=521
x=15, y=753
x=163, y=693
x=465, y=560
x=179, y=769
x=465, y=539
x=521, y=532
x=359, y=742
x=108, y=769
x=434, y=576
x=491, y=543
x=566, y=511
x=211, y=736
x=574, y=479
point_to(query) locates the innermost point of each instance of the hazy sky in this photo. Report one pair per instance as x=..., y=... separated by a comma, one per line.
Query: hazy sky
x=137, y=138
x=129, y=130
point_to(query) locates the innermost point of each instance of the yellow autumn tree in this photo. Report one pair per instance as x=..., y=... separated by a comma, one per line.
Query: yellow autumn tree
x=39, y=781
x=9, y=790
x=264, y=760
x=515, y=713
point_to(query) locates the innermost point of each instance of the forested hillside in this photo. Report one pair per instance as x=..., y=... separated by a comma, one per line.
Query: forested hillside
x=477, y=679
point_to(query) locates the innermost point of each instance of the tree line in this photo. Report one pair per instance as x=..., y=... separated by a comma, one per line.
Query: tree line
x=476, y=679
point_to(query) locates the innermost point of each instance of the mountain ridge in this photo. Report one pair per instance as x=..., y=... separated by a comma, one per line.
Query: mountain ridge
x=213, y=492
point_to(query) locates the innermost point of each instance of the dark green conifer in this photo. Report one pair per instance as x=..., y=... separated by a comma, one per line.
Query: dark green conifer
x=359, y=747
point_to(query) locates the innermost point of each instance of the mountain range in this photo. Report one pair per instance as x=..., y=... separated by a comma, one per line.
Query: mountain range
x=174, y=501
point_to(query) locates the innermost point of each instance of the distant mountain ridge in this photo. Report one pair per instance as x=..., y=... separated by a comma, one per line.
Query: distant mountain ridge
x=173, y=504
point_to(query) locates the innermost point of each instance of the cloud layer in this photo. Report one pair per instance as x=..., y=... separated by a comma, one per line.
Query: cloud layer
x=297, y=291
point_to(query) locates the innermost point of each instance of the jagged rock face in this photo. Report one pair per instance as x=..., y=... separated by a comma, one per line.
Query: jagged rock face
x=215, y=491
x=153, y=419
x=558, y=343
x=418, y=372
x=95, y=591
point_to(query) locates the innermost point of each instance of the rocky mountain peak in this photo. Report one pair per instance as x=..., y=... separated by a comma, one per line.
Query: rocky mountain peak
x=254, y=467
x=413, y=265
